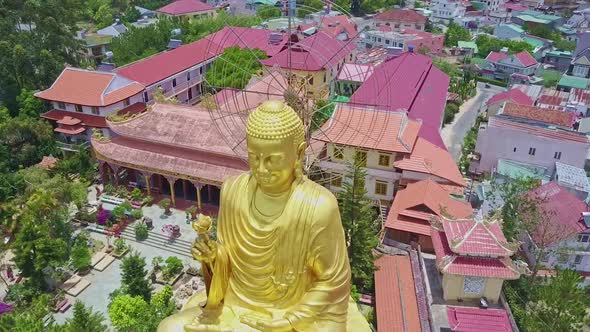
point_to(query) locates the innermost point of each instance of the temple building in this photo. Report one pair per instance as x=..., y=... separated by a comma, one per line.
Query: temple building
x=409, y=218
x=474, y=258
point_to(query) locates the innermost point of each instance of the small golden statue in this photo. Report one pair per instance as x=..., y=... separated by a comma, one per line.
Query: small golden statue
x=280, y=260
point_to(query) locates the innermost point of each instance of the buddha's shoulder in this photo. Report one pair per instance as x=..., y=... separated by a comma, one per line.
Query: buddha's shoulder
x=326, y=201
x=235, y=180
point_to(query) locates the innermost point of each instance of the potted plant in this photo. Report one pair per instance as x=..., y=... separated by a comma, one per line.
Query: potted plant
x=147, y=201
x=157, y=263
x=103, y=217
x=136, y=214
x=120, y=247
x=136, y=195
x=172, y=269
x=192, y=211
x=109, y=189
x=141, y=232
x=122, y=192
x=165, y=204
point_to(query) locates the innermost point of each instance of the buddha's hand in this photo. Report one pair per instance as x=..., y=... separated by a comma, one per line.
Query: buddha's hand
x=267, y=324
x=204, y=251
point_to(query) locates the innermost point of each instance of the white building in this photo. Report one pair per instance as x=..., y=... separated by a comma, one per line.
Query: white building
x=446, y=10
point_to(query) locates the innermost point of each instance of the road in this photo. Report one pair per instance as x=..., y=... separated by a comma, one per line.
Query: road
x=453, y=133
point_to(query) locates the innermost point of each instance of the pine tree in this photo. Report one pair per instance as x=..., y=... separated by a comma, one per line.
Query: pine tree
x=133, y=275
x=360, y=227
x=85, y=320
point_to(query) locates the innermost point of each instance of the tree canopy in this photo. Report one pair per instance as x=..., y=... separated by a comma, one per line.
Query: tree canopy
x=455, y=33
x=134, y=277
x=486, y=44
x=268, y=11
x=234, y=68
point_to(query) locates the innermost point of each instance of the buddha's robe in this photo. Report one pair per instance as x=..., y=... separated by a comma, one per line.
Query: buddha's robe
x=294, y=267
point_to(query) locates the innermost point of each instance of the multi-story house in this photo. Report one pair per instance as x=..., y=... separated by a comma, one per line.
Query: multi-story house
x=80, y=101
x=500, y=65
x=562, y=237
x=399, y=19
x=529, y=135
x=314, y=62
x=446, y=10
x=515, y=96
x=578, y=74
x=180, y=72
x=508, y=31
x=532, y=19
x=560, y=59
x=186, y=10
x=420, y=41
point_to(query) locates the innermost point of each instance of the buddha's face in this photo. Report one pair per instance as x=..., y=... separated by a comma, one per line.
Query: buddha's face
x=272, y=162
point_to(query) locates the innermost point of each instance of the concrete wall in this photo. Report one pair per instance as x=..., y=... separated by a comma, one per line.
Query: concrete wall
x=495, y=143
x=453, y=288
x=197, y=74
x=397, y=26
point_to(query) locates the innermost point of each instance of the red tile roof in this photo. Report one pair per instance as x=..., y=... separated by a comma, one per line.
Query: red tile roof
x=429, y=159
x=473, y=238
x=476, y=320
x=451, y=263
x=48, y=162
x=407, y=210
x=250, y=38
x=559, y=118
x=515, y=95
x=401, y=16
x=90, y=88
x=496, y=56
x=180, y=7
x=396, y=304
x=163, y=65
x=70, y=130
x=563, y=211
x=377, y=130
x=314, y=53
x=87, y=120
x=333, y=26
x=408, y=83
x=526, y=59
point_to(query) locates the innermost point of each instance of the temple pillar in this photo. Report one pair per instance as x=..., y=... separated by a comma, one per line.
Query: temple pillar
x=171, y=182
x=147, y=183
x=198, y=187
x=115, y=169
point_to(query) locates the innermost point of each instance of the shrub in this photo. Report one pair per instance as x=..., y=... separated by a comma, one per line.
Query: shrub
x=157, y=262
x=118, y=212
x=147, y=200
x=450, y=111
x=173, y=267
x=120, y=245
x=103, y=217
x=109, y=189
x=141, y=232
x=136, y=194
x=491, y=81
x=165, y=204
x=192, y=211
x=136, y=214
x=81, y=256
x=122, y=192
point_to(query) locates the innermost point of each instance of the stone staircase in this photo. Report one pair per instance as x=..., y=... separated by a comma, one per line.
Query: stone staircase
x=160, y=241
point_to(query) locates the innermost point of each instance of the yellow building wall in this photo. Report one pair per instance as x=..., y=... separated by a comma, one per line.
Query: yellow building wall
x=453, y=289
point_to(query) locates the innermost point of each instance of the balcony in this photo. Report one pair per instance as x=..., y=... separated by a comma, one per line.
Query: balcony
x=76, y=146
x=182, y=87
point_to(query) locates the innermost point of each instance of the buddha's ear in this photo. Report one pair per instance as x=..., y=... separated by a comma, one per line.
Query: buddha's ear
x=301, y=150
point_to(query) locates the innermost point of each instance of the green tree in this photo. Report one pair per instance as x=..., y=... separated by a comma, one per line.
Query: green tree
x=268, y=11
x=84, y=320
x=80, y=256
x=103, y=16
x=24, y=141
x=29, y=105
x=131, y=15
x=561, y=305
x=308, y=7
x=133, y=275
x=359, y=220
x=234, y=68
x=565, y=45
x=29, y=318
x=418, y=4
x=455, y=33
x=127, y=312
x=487, y=44
x=445, y=66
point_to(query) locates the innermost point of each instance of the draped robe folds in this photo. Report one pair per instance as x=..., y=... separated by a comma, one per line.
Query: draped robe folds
x=295, y=266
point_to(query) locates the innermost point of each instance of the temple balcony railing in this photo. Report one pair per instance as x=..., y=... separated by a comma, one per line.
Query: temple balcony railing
x=73, y=146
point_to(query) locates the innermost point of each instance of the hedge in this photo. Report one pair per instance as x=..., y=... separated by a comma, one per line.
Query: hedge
x=491, y=81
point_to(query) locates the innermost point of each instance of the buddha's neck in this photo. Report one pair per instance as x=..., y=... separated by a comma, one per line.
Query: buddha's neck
x=270, y=205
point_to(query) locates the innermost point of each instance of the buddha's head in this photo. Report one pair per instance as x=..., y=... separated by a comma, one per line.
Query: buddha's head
x=276, y=146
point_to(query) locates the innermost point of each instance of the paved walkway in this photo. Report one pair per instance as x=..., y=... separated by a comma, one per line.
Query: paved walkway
x=454, y=133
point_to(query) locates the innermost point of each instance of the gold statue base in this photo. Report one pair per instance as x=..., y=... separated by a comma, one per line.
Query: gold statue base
x=230, y=319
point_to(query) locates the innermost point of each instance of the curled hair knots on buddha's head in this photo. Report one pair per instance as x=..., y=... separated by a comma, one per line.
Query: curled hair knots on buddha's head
x=275, y=120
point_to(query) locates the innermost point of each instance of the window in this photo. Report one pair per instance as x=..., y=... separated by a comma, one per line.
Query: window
x=145, y=97
x=336, y=180
x=473, y=285
x=325, y=77
x=557, y=155
x=384, y=160
x=583, y=238
x=577, y=259
x=380, y=188
x=174, y=82
x=61, y=106
x=126, y=102
x=532, y=151
x=387, y=41
x=79, y=108
x=310, y=80
x=188, y=76
x=396, y=26
x=95, y=110
x=361, y=158
x=514, y=150
x=379, y=39
x=338, y=153
x=201, y=70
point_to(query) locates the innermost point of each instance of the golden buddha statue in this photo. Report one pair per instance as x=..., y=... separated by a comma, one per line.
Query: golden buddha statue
x=280, y=262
